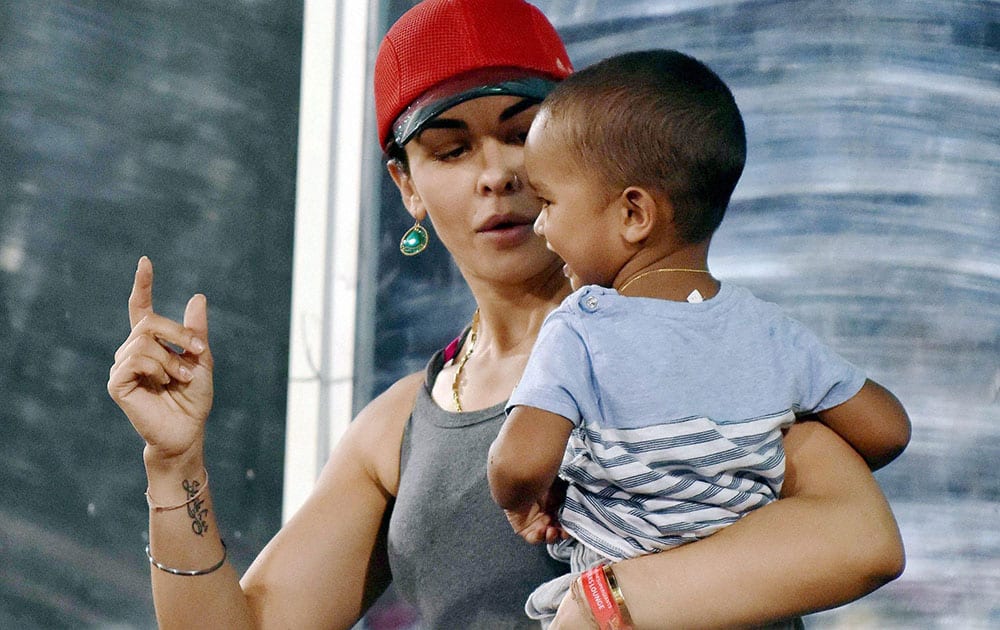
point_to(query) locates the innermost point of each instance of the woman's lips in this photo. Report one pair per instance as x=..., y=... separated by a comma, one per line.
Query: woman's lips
x=508, y=234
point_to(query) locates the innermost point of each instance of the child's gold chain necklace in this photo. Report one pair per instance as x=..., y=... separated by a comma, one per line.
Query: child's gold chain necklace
x=652, y=271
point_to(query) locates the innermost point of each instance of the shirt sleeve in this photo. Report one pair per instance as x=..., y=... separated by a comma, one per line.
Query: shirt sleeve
x=825, y=379
x=558, y=376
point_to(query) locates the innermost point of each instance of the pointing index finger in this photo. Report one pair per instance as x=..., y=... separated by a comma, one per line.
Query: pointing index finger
x=140, y=302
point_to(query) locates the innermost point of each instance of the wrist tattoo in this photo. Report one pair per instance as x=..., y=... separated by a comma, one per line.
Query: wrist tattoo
x=199, y=525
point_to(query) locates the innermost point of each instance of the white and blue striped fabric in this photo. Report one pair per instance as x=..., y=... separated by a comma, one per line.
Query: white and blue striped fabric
x=677, y=410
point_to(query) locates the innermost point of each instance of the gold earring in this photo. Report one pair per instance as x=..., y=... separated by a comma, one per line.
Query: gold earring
x=414, y=240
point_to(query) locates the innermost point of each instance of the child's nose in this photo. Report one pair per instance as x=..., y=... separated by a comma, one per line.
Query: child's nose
x=540, y=223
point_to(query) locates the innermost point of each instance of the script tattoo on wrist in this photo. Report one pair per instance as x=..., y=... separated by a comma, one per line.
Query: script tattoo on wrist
x=199, y=525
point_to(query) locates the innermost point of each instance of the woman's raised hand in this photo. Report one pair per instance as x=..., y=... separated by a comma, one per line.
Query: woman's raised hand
x=162, y=375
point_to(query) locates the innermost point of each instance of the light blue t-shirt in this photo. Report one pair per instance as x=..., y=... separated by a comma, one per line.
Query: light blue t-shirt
x=677, y=410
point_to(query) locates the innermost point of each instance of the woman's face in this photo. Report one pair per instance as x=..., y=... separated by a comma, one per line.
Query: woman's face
x=466, y=171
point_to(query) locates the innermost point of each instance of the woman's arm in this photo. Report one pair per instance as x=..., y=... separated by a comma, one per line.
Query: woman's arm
x=328, y=563
x=325, y=566
x=162, y=380
x=829, y=541
x=873, y=422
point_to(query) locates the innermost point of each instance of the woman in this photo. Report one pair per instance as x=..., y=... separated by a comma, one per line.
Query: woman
x=405, y=489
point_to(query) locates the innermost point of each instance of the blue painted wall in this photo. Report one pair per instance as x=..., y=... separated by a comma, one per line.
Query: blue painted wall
x=870, y=209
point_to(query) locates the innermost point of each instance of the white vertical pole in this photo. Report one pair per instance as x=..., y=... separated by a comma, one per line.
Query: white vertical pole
x=325, y=262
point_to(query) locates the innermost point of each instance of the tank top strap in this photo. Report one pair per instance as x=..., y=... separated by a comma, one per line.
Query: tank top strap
x=443, y=356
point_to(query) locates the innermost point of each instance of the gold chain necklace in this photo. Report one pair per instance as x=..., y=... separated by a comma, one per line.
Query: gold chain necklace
x=469, y=347
x=652, y=271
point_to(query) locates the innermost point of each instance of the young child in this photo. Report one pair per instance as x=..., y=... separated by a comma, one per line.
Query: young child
x=658, y=393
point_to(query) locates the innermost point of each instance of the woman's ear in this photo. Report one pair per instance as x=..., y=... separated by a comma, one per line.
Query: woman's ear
x=641, y=213
x=407, y=191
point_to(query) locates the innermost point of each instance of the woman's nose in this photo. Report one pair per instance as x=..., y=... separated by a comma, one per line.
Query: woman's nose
x=499, y=175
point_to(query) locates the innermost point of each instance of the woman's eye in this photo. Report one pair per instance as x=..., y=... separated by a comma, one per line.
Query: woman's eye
x=449, y=152
x=519, y=137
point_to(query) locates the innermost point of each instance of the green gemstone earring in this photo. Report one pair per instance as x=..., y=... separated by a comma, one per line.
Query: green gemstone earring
x=414, y=240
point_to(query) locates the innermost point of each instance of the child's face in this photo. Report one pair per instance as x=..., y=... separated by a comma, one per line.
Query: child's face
x=578, y=218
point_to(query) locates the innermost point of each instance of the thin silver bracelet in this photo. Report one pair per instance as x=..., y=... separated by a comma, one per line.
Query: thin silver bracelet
x=173, y=571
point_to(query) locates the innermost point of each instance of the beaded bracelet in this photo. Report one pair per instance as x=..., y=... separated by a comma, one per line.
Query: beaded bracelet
x=193, y=496
x=173, y=571
x=601, y=591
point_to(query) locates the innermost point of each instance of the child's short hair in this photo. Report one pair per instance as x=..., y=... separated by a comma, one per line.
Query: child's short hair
x=658, y=119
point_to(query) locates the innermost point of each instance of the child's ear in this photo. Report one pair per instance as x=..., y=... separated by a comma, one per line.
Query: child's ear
x=641, y=213
x=411, y=198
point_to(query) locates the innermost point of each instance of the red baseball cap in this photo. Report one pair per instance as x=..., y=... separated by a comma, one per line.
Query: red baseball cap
x=443, y=52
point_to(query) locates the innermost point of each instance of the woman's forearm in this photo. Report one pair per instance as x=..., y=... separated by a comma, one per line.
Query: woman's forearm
x=832, y=540
x=186, y=538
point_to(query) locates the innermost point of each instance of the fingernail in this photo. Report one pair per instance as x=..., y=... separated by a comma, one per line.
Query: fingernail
x=197, y=346
x=185, y=373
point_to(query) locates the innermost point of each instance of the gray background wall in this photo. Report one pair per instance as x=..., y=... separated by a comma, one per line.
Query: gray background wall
x=868, y=209
x=128, y=128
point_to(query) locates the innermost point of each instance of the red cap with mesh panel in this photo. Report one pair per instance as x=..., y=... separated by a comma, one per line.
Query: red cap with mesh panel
x=463, y=49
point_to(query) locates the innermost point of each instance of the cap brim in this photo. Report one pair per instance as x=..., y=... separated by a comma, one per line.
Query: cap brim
x=444, y=96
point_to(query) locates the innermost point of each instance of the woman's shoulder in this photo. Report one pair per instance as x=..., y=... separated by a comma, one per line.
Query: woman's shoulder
x=376, y=434
x=398, y=398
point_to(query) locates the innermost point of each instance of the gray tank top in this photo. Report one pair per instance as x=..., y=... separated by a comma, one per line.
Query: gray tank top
x=451, y=551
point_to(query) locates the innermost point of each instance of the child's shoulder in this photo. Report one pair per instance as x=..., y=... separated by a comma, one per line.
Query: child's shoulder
x=589, y=298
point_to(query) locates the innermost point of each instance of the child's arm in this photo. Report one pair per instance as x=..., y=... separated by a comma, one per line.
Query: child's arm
x=873, y=422
x=523, y=463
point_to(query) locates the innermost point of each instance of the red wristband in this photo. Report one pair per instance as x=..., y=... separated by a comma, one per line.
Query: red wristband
x=603, y=602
